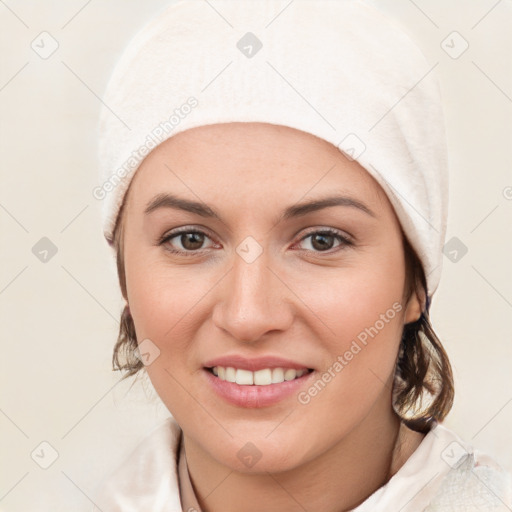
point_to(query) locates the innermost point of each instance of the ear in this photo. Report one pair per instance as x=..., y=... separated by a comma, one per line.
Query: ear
x=415, y=307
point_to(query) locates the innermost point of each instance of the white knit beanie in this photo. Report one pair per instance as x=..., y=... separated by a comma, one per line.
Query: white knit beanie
x=337, y=69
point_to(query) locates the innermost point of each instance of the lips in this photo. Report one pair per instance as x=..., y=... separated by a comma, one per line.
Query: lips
x=244, y=382
x=254, y=396
x=254, y=364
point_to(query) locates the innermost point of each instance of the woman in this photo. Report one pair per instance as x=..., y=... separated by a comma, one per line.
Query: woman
x=277, y=202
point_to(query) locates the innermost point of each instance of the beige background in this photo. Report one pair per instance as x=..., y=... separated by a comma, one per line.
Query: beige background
x=59, y=318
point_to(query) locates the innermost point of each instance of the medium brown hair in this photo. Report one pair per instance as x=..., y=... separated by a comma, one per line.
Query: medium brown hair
x=423, y=388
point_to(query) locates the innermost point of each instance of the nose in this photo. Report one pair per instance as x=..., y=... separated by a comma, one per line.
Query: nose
x=253, y=301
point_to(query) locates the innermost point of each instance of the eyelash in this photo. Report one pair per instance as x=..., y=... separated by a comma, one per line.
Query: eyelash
x=344, y=241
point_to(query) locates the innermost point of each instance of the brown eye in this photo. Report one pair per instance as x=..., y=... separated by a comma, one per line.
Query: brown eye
x=191, y=241
x=322, y=241
x=185, y=242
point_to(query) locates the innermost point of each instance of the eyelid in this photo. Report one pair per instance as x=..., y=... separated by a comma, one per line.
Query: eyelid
x=184, y=229
x=345, y=239
x=329, y=230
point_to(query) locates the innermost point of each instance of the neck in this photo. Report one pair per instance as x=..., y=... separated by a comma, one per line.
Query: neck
x=336, y=480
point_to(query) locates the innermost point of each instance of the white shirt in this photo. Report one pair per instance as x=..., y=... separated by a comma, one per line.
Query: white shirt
x=444, y=474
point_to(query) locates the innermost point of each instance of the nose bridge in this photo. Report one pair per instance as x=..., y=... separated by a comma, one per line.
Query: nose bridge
x=250, y=282
x=252, y=301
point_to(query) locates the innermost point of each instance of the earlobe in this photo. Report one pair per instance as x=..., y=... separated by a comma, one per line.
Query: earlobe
x=414, y=308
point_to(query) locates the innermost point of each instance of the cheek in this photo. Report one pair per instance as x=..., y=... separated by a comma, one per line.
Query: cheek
x=159, y=304
x=368, y=305
x=361, y=314
x=364, y=294
x=167, y=306
x=162, y=307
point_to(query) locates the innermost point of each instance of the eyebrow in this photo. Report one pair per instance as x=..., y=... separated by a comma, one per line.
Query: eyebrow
x=178, y=203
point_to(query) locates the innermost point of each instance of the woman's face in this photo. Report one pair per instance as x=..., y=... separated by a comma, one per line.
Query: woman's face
x=262, y=279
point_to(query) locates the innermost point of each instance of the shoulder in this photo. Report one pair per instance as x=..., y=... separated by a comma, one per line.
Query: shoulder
x=444, y=474
x=147, y=479
x=474, y=481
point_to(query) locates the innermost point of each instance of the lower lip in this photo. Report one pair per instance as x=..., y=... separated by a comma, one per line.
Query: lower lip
x=251, y=396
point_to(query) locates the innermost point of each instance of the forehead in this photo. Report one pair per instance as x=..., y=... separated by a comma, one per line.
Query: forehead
x=244, y=161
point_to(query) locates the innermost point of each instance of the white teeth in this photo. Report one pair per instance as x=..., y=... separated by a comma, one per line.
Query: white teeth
x=244, y=377
x=259, y=378
x=290, y=374
x=230, y=374
x=263, y=377
x=277, y=375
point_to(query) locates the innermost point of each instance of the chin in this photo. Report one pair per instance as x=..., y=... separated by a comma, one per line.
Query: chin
x=251, y=460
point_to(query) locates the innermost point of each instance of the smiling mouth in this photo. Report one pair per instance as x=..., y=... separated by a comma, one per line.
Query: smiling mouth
x=263, y=377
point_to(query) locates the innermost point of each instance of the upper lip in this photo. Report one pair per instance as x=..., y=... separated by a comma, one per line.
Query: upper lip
x=254, y=364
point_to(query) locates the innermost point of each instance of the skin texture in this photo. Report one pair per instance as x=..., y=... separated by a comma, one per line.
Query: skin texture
x=295, y=301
